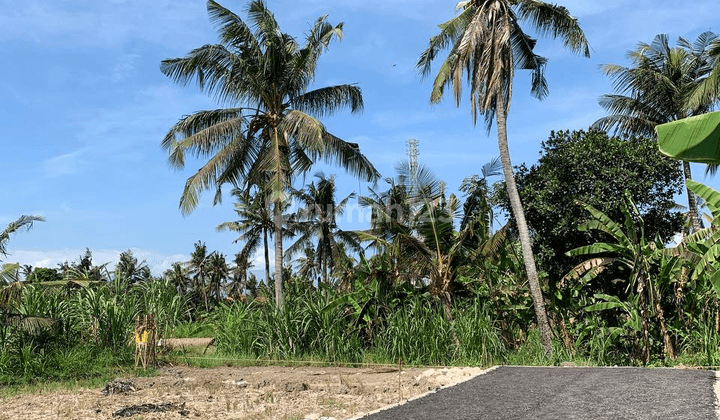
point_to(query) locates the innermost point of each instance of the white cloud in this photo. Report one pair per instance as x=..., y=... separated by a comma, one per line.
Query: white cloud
x=65, y=164
x=70, y=25
x=158, y=262
x=124, y=68
x=258, y=261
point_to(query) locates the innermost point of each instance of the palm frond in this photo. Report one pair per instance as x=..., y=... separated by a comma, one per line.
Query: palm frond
x=312, y=136
x=23, y=222
x=449, y=32
x=202, y=134
x=217, y=71
x=304, y=62
x=208, y=174
x=555, y=21
x=233, y=31
x=326, y=101
x=526, y=59
x=267, y=30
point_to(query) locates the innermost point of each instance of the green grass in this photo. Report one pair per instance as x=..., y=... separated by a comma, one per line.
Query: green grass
x=188, y=329
x=90, y=345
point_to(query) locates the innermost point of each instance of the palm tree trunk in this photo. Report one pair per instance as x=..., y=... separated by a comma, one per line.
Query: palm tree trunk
x=692, y=204
x=278, y=254
x=519, y=214
x=204, y=291
x=325, y=271
x=267, y=256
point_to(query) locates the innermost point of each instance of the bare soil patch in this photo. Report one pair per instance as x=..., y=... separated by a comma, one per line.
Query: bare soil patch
x=174, y=343
x=266, y=392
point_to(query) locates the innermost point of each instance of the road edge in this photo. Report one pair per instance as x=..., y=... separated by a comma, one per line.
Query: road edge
x=387, y=407
x=716, y=388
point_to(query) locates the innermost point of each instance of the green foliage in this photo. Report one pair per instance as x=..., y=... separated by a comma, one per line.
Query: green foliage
x=130, y=269
x=160, y=298
x=73, y=331
x=42, y=274
x=479, y=335
x=417, y=333
x=595, y=169
x=315, y=225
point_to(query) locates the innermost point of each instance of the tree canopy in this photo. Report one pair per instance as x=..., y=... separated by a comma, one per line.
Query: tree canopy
x=596, y=169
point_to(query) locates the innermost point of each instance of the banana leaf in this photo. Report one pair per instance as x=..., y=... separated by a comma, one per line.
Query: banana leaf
x=692, y=139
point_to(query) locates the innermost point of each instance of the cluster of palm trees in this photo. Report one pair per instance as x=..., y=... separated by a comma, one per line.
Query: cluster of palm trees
x=208, y=275
x=274, y=134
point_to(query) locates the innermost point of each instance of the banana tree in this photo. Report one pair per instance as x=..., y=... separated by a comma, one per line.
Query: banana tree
x=633, y=251
x=700, y=251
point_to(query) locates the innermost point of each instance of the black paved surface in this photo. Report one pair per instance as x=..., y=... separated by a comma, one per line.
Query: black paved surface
x=569, y=393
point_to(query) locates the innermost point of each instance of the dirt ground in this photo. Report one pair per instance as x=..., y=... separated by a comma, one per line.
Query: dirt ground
x=241, y=393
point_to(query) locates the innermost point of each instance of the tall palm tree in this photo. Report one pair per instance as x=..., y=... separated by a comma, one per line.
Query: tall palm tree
x=239, y=276
x=130, y=269
x=487, y=42
x=197, y=269
x=318, y=219
x=657, y=89
x=273, y=132
x=256, y=222
x=218, y=271
x=178, y=276
x=308, y=266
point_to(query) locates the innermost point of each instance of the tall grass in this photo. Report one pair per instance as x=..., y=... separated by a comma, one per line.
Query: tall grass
x=303, y=328
x=309, y=327
x=417, y=333
x=479, y=335
x=160, y=298
x=76, y=332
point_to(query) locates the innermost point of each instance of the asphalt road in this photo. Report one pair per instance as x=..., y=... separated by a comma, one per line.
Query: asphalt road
x=569, y=393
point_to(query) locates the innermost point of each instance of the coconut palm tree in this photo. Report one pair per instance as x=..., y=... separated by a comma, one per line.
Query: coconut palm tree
x=658, y=89
x=256, y=222
x=23, y=222
x=307, y=266
x=318, y=219
x=130, y=269
x=178, y=276
x=218, y=271
x=272, y=132
x=197, y=269
x=487, y=44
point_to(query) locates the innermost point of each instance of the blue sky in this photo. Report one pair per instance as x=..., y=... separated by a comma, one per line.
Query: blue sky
x=84, y=108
